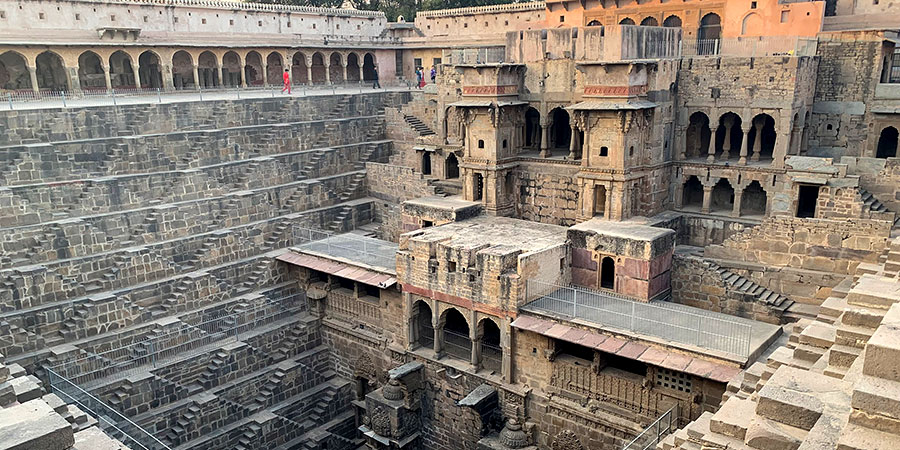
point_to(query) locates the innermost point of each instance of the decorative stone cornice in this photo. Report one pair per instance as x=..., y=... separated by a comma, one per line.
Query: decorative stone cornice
x=241, y=6
x=510, y=7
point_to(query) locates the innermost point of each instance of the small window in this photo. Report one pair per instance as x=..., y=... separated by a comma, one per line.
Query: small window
x=203, y=21
x=670, y=379
x=357, y=27
x=785, y=16
x=112, y=17
x=465, y=25
x=338, y=26
x=504, y=143
x=176, y=20
x=259, y=23
x=480, y=143
x=314, y=26
x=230, y=21
x=505, y=22
x=604, y=151
x=427, y=224
x=451, y=266
x=146, y=19
x=3, y=14
x=289, y=24
x=752, y=5
x=77, y=16
x=41, y=16
x=562, y=264
x=562, y=19
x=631, y=151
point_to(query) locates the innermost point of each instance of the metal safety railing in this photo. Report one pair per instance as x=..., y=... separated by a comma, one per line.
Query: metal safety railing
x=678, y=323
x=657, y=431
x=751, y=46
x=457, y=345
x=112, y=422
x=360, y=249
x=481, y=55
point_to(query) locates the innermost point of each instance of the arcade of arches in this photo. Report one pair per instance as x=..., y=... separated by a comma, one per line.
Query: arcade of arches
x=722, y=196
x=449, y=334
x=732, y=139
x=103, y=69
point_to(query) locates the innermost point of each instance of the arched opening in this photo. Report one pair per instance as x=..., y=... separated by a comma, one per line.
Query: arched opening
x=318, y=68
x=729, y=136
x=422, y=325
x=532, y=128
x=761, y=140
x=722, y=197
x=121, y=71
x=692, y=194
x=710, y=27
x=51, y=73
x=231, y=69
x=491, y=352
x=149, y=70
x=90, y=72
x=253, y=69
x=649, y=21
x=672, y=21
x=369, y=67
x=599, y=201
x=426, y=163
x=208, y=70
x=452, y=167
x=183, y=70
x=697, y=136
x=14, y=72
x=274, y=69
x=626, y=21
x=456, y=335
x=607, y=273
x=594, y=23
x=477, y=187
x=352, y=67
x=887, y=143
x=560, y=131
x=752, y=25
x=753, y=201
x=298, y=69
x=336, y=68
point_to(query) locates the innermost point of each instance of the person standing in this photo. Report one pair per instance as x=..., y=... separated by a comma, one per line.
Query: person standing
x=433, y=74
x=376, y=84
x=418, y=78
x=287, y=82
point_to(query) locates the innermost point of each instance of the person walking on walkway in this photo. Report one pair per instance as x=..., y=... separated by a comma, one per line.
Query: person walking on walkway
x=287, y=82
x=375, y=84
x=433, y=74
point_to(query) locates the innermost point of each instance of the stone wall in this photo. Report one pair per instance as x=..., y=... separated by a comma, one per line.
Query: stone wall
x=547, y=193
x=881, y=177
x=391, y=185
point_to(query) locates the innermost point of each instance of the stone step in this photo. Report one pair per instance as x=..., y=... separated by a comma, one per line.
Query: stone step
x=733, y=418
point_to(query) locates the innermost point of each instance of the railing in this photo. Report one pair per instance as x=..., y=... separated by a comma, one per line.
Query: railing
x=656, y=432
x=111, y=421
x=482, y=55
x=458, y=345
x=491, y=357
x=678, y=324
x=369, y=251
x=751, y=47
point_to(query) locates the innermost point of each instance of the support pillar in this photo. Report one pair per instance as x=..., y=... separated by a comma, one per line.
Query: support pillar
x=711, y=151
x=545, y=152
x=707, y=199
x=32, y=72
x=476, y=348
x=726, y=144
x=328, y=74
x=309, y=75
x=438, y=337
x=221, y=72
x=679, y=195
x=265, y=75
x=360, y=73
x=344, y=66
x=736, y=210
x=573, y=142
x=107, y=78
x=196, y=76
x=743, y=159
x=607, y=211
x=757, y=140
x=137, y=75
x=168, y=81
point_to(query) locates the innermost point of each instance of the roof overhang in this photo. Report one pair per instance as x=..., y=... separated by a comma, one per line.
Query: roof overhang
x=623, y=105
x=338, y=269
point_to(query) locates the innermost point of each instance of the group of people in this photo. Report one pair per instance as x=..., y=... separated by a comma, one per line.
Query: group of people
x=375, y=85
x=420, y=76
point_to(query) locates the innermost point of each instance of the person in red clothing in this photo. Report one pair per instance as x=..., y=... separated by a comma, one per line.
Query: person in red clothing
x=287, y=82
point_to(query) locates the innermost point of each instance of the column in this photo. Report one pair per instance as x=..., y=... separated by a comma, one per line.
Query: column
x=707, y=199
x=221, y=72
x=736, y=210
x=476, y=347
x=137, y=75
x=32, y=72
x=243, y=75
x=360, y=71
x=607, y=211
x=438, y=337
x=168, y=82
x=711, y=151
x=344, y=66
x=309, y=75
x=573, y=142
x=679, y=195
x=265, y=74
x=757, y=140
x=196, y=76
x=544, y=150
x=726, y=144
x=106, y=77
x=328, y=72
x=743, y=159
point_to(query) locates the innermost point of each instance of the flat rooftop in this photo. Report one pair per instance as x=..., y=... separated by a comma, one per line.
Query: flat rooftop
x=484, y=231
x=453, y=203
x=627, y=230
x=355, y=250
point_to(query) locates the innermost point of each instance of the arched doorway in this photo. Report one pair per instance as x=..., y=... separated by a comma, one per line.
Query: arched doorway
x=14, y=72
x=532, y=128
x=231, y=69
x=729, y=136
x=722, y=197
x=51, y=72
x=121, y=71
x=477, y=187
x=491, y=352
x=422, y=324
x=353, y=68
x=208, y=70
x=752, y=25
x=274, y=69
x=298, y=69
x=697, y=136
x=672, y=21
x=887, y=143
x=426, y=163
x=149, y=70
x=761, y=140
x=90, y=72
x=607, y=273
x=369, y=67
x=599, y=201
x=692, y=194
x=754, y=200
x=183, y=70
x=710, y=27
x=594, y=23
x=318, y=68
x=452, y=167
x=561, y=130
x=649, y=21
x=626, y=21
x=253, y=72
x=336, y=68
x=456, y=335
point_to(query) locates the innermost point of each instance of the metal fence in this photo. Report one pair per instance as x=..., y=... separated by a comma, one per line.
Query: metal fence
x=677, y=324
x=159, y=349
x=457, y=345
x=109, y=420
x=656, y=432
x=360, y=249
x=751, y=47
x=481, y=55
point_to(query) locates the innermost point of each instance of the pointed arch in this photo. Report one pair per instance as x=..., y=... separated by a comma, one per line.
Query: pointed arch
x=91, y=74
x=121, y=70
x=149, y=70
x=231, y=69
x=183, y=70
x=14, y=72
x=336, y=68
x=253, y=71
x=51, y=72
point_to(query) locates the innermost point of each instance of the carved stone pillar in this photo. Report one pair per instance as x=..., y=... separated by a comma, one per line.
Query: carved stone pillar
x=679, y=195
x=743, y=159
x=360, y=74
x=573, y=139
x=438, y=336
x=476, y=348
x=545, y=152
x=736, y=210
x=309, y=75
x=221, y=72
x=707, y=199
x=137, y=75
x=32, y=72
x=758, y=124
x=106, y=77
x=726, y=144
x=344, y=65
x=196, y=76
x=711, y=151
x=607, y=212
x=328, y=73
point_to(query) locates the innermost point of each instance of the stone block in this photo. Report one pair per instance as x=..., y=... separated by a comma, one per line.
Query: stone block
x=877, y=396
x=733, y=418
x=34, y=425
x=883, y=348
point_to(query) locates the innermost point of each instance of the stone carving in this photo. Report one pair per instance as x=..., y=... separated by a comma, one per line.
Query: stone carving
x=409, y=423
x=393, y=390
x=381, y=421
x=512, y=435
x=567, y=440
x=365, y=368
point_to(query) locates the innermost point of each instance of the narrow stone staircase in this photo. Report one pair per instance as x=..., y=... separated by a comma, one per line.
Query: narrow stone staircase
x=418, y=125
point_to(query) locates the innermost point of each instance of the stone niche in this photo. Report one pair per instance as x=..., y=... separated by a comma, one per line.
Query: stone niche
x=628, y=258
x=394, y=412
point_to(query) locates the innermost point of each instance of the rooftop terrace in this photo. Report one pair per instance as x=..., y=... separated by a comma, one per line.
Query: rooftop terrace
x=495, y=232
